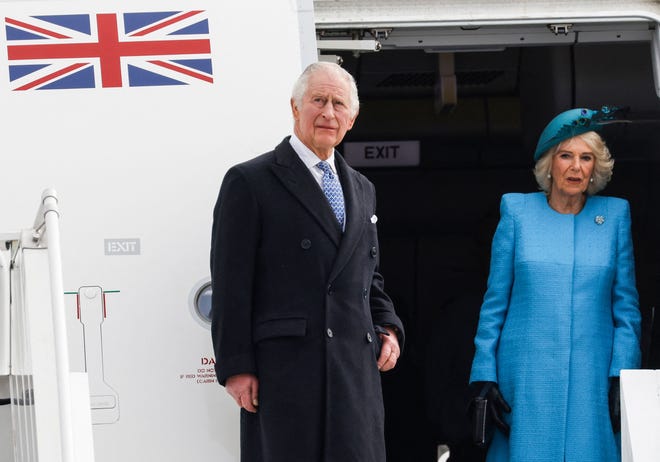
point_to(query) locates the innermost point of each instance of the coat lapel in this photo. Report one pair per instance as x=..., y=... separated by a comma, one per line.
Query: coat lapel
x=295, y=176
x=354, y=202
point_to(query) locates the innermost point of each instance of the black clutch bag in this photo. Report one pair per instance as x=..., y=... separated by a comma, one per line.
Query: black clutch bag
x=482, y=425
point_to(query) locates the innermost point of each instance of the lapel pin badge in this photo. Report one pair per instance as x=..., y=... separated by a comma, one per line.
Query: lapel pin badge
x=600, y=219
x=374, y=219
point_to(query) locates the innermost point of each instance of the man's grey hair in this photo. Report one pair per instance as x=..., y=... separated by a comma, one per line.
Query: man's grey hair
x=301, y=85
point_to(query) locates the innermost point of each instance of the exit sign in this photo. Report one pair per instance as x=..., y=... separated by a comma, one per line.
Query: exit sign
x=382, y=153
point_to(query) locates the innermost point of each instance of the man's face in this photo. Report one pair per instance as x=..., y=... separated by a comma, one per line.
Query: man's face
x=325, y=115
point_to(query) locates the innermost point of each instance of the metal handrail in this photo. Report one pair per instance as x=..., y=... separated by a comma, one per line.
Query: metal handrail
x=47, y=224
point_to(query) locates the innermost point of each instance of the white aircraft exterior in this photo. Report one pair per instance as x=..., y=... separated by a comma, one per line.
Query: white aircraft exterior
x=137, y=168
x=136, y=145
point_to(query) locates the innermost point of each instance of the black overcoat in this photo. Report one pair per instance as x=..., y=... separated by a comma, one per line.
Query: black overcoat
x=296, y=302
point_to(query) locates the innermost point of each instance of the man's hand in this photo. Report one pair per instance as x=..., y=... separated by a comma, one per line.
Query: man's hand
x=244, y=388
x=390, y=351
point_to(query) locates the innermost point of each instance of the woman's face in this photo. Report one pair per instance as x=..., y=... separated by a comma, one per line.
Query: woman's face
x=572, y=166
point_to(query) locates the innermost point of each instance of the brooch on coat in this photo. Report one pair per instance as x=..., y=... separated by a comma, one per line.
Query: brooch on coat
x=600, y=219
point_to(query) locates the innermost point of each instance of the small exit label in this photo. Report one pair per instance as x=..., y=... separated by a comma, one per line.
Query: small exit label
x=382, y=153
x=122, y=246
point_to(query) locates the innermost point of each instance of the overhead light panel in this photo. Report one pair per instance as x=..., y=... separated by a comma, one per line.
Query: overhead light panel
x=348, y=45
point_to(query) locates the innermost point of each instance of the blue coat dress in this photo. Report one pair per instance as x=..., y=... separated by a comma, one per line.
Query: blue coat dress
x=559, y=318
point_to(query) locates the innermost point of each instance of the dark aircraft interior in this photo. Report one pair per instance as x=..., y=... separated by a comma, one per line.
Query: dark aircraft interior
x=436, y=219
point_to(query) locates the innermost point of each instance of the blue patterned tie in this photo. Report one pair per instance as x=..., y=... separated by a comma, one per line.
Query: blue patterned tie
x=333, y=192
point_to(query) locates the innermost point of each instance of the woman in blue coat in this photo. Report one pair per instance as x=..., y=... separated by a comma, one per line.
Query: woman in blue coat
x=560, y=317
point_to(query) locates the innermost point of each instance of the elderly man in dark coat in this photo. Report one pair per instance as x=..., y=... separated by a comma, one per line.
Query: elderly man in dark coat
x=301, y=326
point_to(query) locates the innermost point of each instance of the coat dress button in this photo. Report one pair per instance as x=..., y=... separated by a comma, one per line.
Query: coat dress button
x=305, y=244
x=374, y=251
x=329, y=332
x=369, y=339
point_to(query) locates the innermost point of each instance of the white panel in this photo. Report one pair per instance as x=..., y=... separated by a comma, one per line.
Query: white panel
x=40, y=356
x=410, y=13
x=307, y=32
x=82, y=419
x=4, y=310
x=146, y=163
x=640, y=415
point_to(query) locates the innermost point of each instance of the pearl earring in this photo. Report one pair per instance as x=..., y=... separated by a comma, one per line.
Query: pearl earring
x=549, y=176
x=591, y=180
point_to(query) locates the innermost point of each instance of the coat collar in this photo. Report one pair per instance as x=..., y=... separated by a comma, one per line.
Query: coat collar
x=355, y=204
x=295, y=176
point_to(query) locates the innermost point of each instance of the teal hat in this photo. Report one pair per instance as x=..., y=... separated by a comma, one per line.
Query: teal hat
x=572, y=123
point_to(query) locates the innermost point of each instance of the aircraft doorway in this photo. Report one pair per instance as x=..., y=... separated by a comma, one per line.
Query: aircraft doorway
x=436, y=219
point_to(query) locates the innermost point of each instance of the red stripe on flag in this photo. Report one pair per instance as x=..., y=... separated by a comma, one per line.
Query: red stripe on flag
x=48, y=77
x=166, y=23
x=99, y=50
x=183, y=70
x=36, y=29
x=109, y=53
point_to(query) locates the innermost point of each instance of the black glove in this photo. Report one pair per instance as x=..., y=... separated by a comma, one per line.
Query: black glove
x=614, y=401
x=486, y=408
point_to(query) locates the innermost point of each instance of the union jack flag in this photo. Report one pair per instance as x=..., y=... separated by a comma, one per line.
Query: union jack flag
x=108, y=50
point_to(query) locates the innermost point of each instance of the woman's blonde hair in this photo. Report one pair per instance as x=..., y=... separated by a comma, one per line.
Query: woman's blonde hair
x=603, y=165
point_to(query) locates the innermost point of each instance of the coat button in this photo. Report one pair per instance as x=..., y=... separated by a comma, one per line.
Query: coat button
x=365, y=292
x=374, y=251
x=305, y=244
x=329, y=332
x=369, y=339
x=330, y=289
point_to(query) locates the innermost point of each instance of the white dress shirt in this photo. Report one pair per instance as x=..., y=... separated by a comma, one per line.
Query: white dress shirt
x=310, y=159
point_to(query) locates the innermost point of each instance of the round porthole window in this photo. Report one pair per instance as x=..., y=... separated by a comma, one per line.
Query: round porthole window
x=200, y=302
